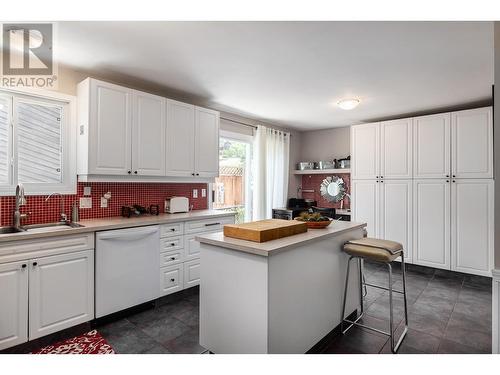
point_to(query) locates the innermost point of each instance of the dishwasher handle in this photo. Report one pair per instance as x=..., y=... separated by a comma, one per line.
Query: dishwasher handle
x=131, y=236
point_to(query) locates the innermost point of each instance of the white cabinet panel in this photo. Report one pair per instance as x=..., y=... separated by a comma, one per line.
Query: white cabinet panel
x=191, y=273
x=13, y=304
x=148, y=140
x=431, y=146
x=171, y=279
x=61, y=292
x=180, y=138
x=207, y=143
x=472, y=226
x=396, y=213
x=365, y=151
x=431, y=226
x=191, y=247
x=396, y=157
x=365, y=205
x=109, y=129
x=472, y=143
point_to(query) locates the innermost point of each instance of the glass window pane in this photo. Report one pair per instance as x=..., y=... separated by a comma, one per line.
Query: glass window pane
x=39, y=143
x=4, y=140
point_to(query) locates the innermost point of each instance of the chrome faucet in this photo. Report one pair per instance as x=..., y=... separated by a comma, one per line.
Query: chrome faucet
x=20, y=201
x=63, y=218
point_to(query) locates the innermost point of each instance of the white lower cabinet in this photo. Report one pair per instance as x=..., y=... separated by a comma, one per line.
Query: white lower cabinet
x=191, y=273
x=431, y=226
x=171, y=279
x=365, y=205
x=472, y=228
x=61, y=292
x=13, y=304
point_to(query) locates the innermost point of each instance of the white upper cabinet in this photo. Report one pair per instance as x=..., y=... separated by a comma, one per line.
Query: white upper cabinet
x=431, y=146
x=472, y=143
x=148, y=135
x=180, y=138
x=472, y=226
x=13, y=304
x=366, y=205
x=365, y=151
x=396, y=149
x=431, y=224
x=109, y=128
x=207, y=143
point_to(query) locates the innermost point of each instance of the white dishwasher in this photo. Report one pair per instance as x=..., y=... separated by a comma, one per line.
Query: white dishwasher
x=127, y=265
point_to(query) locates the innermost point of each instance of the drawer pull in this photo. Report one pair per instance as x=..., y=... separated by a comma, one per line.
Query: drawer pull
x=172, y=244
x=23, y=266
x=172, y=280
x=172, y=258
x=172, y=229
x=211, y=224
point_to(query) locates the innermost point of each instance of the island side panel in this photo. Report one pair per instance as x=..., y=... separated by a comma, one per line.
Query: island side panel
x=306, y=286
x=233, y=301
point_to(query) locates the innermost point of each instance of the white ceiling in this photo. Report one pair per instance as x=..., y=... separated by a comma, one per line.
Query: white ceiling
x=292, y=73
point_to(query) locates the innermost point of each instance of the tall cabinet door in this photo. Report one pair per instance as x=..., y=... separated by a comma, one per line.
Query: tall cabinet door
x=110, y=129
x=207, y=143
x=61, y=292
x=365, y=204
x=13, y=304
x=431, y=225
x=365, y=151
x=396, y=213
x=396, y=149
x=180, y=138
x=472, y=143
x=148, y=135
x=472, y=226
x=431, y=146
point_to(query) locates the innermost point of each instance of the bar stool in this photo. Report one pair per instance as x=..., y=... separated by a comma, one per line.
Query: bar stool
x=381, y=251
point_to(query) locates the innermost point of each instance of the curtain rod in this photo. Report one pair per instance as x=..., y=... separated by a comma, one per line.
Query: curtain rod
x=250, y=125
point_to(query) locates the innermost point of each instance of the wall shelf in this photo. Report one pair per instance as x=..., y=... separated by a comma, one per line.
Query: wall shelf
x=322, y=171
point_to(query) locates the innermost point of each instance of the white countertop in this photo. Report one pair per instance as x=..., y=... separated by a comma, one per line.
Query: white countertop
x=95, y=225
x=275, y=246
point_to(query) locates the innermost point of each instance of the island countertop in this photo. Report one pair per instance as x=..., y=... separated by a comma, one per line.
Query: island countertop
x=272, y=247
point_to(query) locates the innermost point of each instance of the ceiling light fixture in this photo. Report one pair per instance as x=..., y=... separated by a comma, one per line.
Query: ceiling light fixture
x=348, y=104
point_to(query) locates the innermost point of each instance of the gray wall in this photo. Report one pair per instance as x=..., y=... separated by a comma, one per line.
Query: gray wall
x=325, y=144
x=496, y=144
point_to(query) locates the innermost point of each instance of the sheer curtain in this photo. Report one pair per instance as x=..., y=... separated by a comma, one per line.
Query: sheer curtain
x=271, y=150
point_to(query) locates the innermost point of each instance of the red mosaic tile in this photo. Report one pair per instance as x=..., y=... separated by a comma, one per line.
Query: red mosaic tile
x=122, y=194
x=313, y=182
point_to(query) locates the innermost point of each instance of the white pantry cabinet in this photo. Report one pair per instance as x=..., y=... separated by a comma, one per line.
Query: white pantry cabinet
x=431, y=145
x=472, y=143
x=365, y=151
x=472, y=231
x=396, y=149
x=13, y=304
x=366, y=204
x=206, y=143
x=431, y=226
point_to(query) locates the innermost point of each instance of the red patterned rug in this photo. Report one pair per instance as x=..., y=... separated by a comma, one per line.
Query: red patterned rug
x=89, y=343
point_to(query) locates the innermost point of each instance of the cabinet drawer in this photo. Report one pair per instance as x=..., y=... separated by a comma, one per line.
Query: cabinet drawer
x=171, y=279
x=171, y=243
x=208, y=225
x=169, y=230
x=191, y=273
x=171, y=257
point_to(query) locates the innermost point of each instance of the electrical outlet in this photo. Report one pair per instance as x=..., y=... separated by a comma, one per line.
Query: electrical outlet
x=195, y=193
x=203, y=193
x=87, y=191
x=85, y=202
x=104, y=202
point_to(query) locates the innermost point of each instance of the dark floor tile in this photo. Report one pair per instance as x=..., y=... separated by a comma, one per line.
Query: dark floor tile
x=416, y=342
x=452, y=347
x=432, y=324
x=380, y=308
x=481, y=282
x=157, y=349
x=187, y=343
x=377, y=323
x=448, y=285
x=413, y=269
x=165, y=329
x=433, y=303
x=357, y=340
x=474, y=295
x=473, y=309
x=464, y=321
x=475, y=339
x=448, y=275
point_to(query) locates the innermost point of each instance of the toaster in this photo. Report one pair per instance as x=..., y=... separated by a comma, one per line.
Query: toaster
x=176, y=204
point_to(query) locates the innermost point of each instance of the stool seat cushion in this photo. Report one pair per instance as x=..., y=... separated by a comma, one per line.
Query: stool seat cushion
x=375, y=249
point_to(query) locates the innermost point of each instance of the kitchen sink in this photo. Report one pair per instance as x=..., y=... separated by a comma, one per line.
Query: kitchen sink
x=37, y=228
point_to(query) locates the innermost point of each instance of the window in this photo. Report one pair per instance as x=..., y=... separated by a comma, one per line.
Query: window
x=37, y=146
x=232, y=189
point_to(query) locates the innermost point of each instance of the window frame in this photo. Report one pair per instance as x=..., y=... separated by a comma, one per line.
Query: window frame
x=68, y=185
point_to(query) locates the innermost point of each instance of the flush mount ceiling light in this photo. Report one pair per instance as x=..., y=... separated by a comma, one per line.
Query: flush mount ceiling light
x=348, y=104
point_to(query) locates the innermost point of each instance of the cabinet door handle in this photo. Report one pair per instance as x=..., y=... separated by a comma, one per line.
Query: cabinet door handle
x=447, y=175
x=23, y=266
x=454, y=176
x=172, y=280
x=172, y=258
x=192, y=174
x=381, y=176
x=454, y=181
x=129, y=172
x=35, y=264
x=197, y=174
x=447, y=180
x=376, y=176
x=172, y=229
x=211, y=224
x=172, y=244
x=135, y=172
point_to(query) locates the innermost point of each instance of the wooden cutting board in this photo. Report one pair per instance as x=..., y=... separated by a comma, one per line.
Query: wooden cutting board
x=265, y=230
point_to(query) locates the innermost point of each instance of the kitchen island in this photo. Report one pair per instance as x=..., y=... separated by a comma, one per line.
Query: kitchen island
x=281, y=296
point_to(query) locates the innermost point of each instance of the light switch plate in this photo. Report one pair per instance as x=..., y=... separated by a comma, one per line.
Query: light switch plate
x=195, y=193
x=203, y=193
x=87, y=191
x=85, y=202
x=104, y=202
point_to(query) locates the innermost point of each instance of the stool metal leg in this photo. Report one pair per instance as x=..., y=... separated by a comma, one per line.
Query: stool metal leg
x=391, y=318
x=361, y=284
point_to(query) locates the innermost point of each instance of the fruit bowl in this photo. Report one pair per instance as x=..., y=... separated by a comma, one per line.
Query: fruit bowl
x=314, y=220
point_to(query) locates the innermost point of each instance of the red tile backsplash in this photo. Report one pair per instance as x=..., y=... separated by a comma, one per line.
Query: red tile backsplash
x=313, y=182
x=122, y=193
